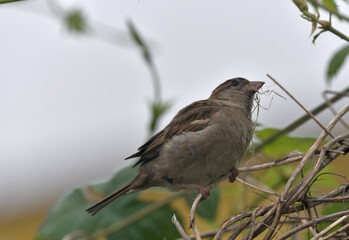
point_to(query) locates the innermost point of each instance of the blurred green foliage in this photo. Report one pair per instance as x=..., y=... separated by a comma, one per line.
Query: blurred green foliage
x=284, y=144
x=158, y=107
x=68, y=214
x=75, y=21
x=336, y=62
x=330, y=7
x=10, y=1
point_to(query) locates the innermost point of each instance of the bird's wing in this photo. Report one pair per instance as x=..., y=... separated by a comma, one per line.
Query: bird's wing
x=192, y=118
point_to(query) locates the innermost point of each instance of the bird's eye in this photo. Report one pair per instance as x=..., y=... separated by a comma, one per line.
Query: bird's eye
x=234, y=83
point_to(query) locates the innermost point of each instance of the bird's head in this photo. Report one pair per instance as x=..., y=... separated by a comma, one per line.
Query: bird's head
x=238, y=91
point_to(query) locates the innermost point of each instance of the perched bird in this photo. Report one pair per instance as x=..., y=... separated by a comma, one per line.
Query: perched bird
x=200, y=146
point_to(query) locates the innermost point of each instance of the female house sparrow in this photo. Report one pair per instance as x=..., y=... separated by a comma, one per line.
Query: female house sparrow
x=199, y=147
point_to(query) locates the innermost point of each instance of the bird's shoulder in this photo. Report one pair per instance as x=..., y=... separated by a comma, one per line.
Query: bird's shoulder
x=192, y=118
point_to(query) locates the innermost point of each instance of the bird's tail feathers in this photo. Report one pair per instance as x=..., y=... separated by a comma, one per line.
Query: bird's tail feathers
x=126, y=189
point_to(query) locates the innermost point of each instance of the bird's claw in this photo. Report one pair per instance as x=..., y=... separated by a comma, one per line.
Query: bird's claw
x=234, y=173
x=205, y=191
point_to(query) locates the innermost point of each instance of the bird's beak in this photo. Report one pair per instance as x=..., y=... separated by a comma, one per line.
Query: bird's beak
x=253, y=87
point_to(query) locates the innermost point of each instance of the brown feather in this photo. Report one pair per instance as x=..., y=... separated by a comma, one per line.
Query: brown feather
x=108, y=199
x=189, y=119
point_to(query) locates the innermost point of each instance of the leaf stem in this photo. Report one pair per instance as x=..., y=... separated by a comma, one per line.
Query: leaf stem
x=325, y=25
x=339, y=15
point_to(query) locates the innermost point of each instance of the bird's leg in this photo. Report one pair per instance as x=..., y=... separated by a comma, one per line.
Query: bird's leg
x=234, y=173
x=205, y=191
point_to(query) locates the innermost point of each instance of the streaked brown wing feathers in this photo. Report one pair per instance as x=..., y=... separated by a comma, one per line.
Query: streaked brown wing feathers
x=190, y=119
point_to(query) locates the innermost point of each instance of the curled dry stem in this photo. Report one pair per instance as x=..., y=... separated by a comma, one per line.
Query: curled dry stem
x=314, y=222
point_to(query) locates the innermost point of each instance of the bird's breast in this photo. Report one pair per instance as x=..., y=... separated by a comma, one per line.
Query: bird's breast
x=204, y=157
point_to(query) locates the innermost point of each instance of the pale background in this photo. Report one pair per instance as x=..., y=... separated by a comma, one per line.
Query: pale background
x=72, y=107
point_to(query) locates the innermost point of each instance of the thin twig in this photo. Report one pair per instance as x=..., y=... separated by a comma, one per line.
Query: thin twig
x=276, y=220
x=192, y=217
x=312, y=149
x=334, y=199
x=320, y=164
x=258, y=188
x=207, y=234
x=330, y=105
x=337, y=231
x=343, y=189
x=303, y=119
x=253, y=223
x=276, y=163
x=312, y=228
x=179, y=227
x=331, y=226
x=301, y=105
x=314, y=222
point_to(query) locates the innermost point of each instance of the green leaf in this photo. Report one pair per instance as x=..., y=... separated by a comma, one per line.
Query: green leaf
x=277, y=176
x=331, y=5
x=158, y=110
x=75, y=21
x=301, y=4
x=334, y=208
x=284, y=144
x=68, y=214
x=313, y=29
x=317, y=35
x=336, y=62
x=136, y=36
x=9, y=1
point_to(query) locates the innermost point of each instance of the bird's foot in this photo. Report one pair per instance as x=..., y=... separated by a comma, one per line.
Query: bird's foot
x=234, y=173
x=205, y=191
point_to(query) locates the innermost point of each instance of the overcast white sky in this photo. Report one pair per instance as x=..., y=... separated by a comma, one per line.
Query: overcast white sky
x=73, y=107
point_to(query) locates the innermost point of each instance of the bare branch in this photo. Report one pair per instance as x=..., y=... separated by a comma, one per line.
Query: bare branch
x=334, y=199
x=192, y=217
x=258, y=188
x=276, y=163
x=330, y=227
x=330, y=105
x=179, y=228
x=314, y=222
x=345, y=227
x=203, y=235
